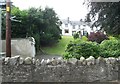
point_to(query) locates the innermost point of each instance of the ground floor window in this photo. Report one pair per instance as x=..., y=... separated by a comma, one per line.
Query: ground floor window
x=66, y=31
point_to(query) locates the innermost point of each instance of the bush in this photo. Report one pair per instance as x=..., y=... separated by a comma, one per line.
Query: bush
x=110, y=48
x=76, y=35
x=97, y=37
x=80, y=48
x=84, y=38
x=112, y=38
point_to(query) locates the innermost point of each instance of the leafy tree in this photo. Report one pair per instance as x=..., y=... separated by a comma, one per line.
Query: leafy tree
x=19, y=29
x=51, y=27
x=3, y=25
x=43, y=25
x=107, y=14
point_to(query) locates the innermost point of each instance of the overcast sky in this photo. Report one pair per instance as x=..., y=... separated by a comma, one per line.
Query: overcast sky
x=64, y=8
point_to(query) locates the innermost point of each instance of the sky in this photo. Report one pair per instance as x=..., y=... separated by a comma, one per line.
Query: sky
x=74, y=9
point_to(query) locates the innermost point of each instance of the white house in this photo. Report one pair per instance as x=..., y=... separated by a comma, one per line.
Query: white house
x=70, y=27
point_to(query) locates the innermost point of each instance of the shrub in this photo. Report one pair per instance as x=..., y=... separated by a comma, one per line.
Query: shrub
x=80, y=48
x=111, y=38
x=110, y=48
x=76, y=35
x=84, y=38
x=97, y=37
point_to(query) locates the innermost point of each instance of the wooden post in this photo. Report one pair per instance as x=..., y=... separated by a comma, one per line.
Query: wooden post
x=8, y=28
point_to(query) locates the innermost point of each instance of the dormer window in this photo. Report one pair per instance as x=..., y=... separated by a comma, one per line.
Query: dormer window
x=73, y=26
x=79, y=26
x=66, y=25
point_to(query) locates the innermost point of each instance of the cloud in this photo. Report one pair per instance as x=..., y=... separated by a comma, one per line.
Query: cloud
x=64, y=8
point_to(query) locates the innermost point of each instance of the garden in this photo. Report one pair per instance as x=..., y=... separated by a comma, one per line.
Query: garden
x=96, y=44
x=58, y=48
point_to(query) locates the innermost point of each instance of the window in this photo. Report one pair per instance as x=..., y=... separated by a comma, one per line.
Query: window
x=66, y=25
x=66, y=31
x=79, y=26
x=73, y=26
x=84, y=25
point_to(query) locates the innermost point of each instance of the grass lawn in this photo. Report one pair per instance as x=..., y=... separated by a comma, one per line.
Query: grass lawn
x=59, y=48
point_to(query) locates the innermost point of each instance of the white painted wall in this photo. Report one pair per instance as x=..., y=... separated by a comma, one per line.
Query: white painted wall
x=77, y=28
x=22, y=47
x=63, y=27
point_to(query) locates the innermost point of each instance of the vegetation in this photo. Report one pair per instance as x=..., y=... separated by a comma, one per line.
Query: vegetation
x=41, y=24
x=76, y=35
x=110, y=48
x=103, y=15
x=58, y=48
x=44, y=25
x=79, y=48
x=97, y=37
x=84, y=38
x=107, y=14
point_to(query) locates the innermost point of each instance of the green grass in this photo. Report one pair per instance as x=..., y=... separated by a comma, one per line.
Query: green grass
x=59, y=48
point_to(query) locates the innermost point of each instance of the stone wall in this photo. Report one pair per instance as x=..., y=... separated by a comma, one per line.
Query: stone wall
x=23, y=47
x=17, y=69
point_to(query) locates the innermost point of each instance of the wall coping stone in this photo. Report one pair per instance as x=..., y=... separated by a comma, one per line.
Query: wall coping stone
x=60, y=61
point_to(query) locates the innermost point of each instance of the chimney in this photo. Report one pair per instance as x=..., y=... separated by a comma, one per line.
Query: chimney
x=68, y=19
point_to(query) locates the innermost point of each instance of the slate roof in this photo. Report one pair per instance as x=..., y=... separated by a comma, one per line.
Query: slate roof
x=75, y=22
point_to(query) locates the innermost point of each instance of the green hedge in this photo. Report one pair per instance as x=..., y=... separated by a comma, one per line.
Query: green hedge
x=110, y=48
x=78, y=48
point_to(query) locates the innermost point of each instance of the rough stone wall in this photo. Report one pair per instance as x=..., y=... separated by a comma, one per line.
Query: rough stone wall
x=16, y=69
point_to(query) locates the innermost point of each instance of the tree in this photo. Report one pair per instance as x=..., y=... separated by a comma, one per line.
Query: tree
x=43, y=25
x=3, y=25
x=19, y=29
x=107, y=14
x=51, y=31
